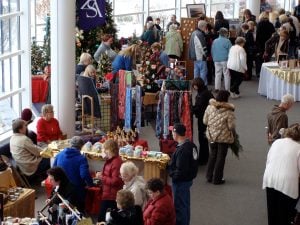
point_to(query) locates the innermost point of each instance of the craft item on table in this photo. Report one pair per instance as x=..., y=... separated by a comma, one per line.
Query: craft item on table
x=129, y=152
x=16, y=221
x=151, y=154
x=97, y=147
x=138, y=151
x=144, y=154
x=87, y=147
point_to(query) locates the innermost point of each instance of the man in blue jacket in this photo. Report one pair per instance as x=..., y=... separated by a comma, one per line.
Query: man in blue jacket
x=75, y=166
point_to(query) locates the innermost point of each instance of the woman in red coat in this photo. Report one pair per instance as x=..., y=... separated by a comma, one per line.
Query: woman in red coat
x=48, y=127
x=110, y=178
x=160, y=208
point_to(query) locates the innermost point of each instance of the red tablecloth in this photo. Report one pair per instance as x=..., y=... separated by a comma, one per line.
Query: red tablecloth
x=39, y=88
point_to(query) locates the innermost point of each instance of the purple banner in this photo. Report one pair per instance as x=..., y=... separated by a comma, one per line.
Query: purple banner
x=91, y=13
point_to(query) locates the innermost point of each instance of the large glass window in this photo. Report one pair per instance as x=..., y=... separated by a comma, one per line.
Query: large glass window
x=10, y=64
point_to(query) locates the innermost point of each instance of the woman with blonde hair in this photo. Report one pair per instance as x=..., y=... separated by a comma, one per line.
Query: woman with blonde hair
x=90, y=71
x=125, y=59
x=85, y=59
x=133, y=182
x=110, y=178
x=48, y=127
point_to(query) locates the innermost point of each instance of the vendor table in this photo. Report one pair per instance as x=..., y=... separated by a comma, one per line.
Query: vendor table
x=23, y=206
x=275, y=82
x=7, y=179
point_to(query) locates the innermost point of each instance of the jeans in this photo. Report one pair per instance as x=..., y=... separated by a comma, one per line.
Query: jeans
x=221, y=68
x=200, y=70
x=216, y=161
x=182, y=201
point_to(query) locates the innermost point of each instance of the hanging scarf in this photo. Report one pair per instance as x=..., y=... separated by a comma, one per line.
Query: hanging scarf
x=121, y=95
x=128, y=110
x=166, y=115
x=186, y=116
x=114, y=89
x=138, y=107
x=158, y=126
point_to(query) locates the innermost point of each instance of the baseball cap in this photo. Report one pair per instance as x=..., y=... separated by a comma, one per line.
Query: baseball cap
x=178, y=128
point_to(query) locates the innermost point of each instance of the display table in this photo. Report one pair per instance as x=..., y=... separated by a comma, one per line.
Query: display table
x=7, y=179
x=23, y=206
x=275, y=82
x=40, y=87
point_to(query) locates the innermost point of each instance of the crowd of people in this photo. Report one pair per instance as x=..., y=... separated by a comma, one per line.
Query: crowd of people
x=127, y=198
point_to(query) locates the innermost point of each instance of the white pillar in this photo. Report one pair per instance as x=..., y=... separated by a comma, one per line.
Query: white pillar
x=25, y=46
x=254, y=6
x=63, y=63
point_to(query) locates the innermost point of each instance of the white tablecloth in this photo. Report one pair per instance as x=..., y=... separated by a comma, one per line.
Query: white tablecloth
x=273, y=87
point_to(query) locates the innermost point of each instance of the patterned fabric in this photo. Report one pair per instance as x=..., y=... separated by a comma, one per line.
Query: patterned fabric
x=138, y=108
x=166, y=115
x=121, y=95
x=186, y=116
x=158, y=127
x=220, y=120
x=128, y=110
x=114, y=89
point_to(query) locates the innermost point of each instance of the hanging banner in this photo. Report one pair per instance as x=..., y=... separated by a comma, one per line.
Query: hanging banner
x=91, y=13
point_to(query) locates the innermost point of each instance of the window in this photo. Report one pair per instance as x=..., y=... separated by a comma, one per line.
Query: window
x=11, y=86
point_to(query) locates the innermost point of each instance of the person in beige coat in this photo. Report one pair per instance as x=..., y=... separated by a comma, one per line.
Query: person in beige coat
x=220, y=120
x=25, y=153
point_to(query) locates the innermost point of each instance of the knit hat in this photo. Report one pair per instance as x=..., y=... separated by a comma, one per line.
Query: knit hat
x=76, y=142
x=178, y=128
x=26, y=115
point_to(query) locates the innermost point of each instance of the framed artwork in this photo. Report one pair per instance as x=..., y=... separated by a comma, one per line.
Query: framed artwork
x=195, y=10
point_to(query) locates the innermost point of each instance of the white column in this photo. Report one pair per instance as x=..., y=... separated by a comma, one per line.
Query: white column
x=63, y=63
x=25, y=46
x=178, y=10
x=254, y=6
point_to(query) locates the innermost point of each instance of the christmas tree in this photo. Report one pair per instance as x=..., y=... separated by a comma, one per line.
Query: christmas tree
x=37, y=58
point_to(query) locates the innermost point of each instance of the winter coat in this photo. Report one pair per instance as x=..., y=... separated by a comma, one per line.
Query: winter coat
x=25, y=153
x=264, y=31
x=237, y=59
x=174, y=43
x=48, y=130
x=150, y=36
x=76, y=168
x=198, y=46
x=219, y=24
x=220, y=120
x=111, y=179
x=277, y=119
x=131, y=216
x=137, y=187
x=160, y=211
x=201, y=103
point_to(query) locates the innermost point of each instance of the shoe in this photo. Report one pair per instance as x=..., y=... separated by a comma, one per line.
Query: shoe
x=237, y=96
x=208, y=180
x=219, y=182
x=232, y=95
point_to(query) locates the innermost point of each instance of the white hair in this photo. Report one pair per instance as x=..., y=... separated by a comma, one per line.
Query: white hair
x=202, y=24
x=287, y=99
x=129, y=168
